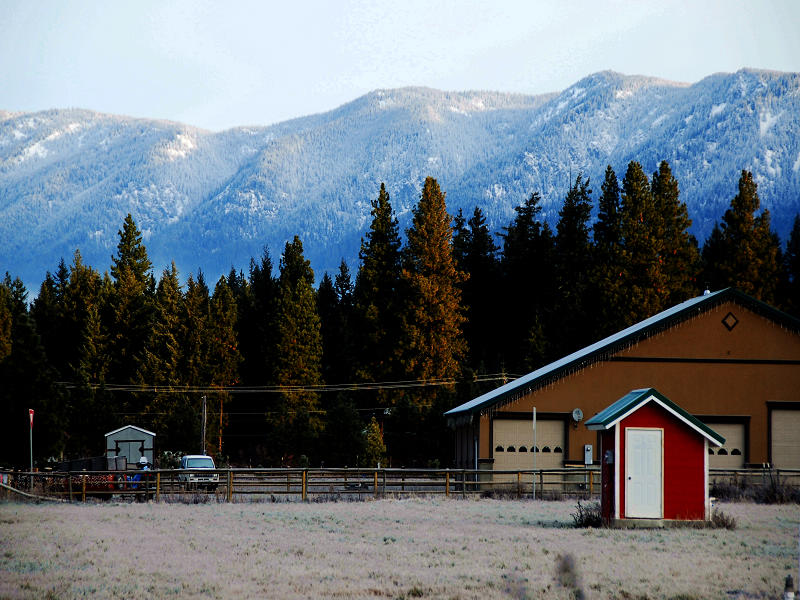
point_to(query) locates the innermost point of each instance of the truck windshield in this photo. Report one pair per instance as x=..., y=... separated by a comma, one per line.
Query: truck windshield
x=200, y=463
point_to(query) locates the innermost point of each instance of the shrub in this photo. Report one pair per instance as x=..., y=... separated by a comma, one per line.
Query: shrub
x=588, y=515
x=720, y=520
x=771, y=491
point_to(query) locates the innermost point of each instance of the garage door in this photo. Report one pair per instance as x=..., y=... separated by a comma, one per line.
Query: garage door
x=513, y=444
x=785, y=430
x=731, y=454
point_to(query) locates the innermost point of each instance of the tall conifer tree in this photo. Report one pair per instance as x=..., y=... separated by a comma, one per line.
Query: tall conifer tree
x=433, y=318
x=528, y=287
x=608, y=267
x=643, y=278
x=743, y=252
x=378, y=298
x=572, y=316
x=296, y=418
x=680, y=255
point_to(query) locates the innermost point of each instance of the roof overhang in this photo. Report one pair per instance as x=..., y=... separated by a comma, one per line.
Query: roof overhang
x=636, y=399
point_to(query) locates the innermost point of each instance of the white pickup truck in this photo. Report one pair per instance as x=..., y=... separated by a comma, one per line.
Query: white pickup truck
x=197, y=476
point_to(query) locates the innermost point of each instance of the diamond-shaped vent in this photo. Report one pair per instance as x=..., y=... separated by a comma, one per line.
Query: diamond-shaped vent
x=730, y=321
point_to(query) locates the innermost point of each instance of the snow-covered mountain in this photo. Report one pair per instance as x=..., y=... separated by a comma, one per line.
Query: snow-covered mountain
x=213, y=200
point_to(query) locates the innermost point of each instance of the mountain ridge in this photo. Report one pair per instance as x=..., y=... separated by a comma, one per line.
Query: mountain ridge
x=212, y=200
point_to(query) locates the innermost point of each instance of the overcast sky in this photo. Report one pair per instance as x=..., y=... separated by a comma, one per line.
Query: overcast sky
x=222, y=64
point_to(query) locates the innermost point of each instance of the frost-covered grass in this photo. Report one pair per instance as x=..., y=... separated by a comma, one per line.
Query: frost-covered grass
x=432, y=548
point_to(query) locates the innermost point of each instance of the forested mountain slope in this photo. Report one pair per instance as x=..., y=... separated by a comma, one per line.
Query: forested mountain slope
x=213, y=200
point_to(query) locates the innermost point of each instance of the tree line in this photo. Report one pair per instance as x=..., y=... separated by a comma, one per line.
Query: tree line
x=360, y=369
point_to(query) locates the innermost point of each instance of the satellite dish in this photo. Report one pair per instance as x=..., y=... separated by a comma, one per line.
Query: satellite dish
x=577, y=415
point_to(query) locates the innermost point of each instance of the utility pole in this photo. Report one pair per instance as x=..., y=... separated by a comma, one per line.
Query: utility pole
x=30, y=415
x=203, y=440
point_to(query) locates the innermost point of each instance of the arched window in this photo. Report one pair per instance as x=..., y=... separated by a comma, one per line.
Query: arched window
x=523, y=449
x=558, y=450
x=736, y=452
x=722, y=452
x=535, y=449
x=499, y=448
x=711, y=451
x=511, y=449
x=546, y=449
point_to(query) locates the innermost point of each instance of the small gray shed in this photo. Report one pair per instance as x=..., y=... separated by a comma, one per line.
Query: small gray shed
x=131, y=442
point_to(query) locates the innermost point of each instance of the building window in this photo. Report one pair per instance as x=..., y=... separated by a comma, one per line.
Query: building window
x=546, y=449
x=736, y=452
x=523, y=449
x=558, y=450
x=511, y=449
x=722, y=452
x=498, y=449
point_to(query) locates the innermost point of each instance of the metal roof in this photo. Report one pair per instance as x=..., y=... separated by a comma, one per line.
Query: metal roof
x=130, y=427
x=635, y=399
x=614, y=343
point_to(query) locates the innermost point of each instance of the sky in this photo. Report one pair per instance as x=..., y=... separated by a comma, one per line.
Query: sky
x=218, y=65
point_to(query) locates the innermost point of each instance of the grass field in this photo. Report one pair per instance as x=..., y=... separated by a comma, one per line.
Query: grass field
x=429, y=548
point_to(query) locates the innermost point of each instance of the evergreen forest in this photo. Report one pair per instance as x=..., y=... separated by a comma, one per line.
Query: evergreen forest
x=358, y=369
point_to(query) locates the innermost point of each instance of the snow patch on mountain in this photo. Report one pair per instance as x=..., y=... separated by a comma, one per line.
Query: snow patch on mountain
x=765, y=122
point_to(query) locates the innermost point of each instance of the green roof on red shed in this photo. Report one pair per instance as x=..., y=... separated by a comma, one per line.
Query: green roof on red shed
x=635, y=399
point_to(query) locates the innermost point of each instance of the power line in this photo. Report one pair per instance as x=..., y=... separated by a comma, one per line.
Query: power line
x=287, y=389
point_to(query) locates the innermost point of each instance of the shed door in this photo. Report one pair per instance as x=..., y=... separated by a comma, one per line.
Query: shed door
x=785, y=431
x=643, y=473
x=731, y=454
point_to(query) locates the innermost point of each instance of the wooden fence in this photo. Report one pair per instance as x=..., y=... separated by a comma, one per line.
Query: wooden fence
x=331, y=484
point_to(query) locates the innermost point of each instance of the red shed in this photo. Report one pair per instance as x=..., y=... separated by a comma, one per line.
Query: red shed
x=654, y=459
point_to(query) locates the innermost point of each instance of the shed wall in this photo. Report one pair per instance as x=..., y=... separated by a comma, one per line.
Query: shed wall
x=683, y=488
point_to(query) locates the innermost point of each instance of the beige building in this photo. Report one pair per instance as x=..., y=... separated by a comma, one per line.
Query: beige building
x=731, y=361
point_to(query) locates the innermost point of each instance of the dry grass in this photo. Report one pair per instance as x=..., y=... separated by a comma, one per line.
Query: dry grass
x=426, y=548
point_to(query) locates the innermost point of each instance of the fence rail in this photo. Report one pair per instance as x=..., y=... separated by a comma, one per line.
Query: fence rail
x=309, y=484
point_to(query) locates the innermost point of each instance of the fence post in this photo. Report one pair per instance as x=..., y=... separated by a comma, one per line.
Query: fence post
x=230, y=485
x=541, y=485
x=158, y=486
x=83, y=488
x=447, y=483
x=375, y=485
x=591, y=483
x=519, y=484
x=69, y=479
x=304, y=488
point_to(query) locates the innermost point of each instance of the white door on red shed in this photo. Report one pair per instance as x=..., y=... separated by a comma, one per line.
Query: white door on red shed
x=643, y=473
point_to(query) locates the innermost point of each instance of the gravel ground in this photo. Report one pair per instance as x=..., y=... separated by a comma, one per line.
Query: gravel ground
x=429, y=548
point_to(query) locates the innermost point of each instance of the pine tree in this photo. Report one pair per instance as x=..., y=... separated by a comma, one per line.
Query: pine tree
x=680, y=255
x=5, y=323
x=295, y=418
x=132, y=304
x=378, y=297
x=374, y=448
x=528, y=286
x=86, y=295
x=792, y=268
x=433, y=344
x=573, y=258
x=28, y=382
x=223, y=355
x=643, y=278
x=475, y=253
x=159, y=367
x=608, y=267
x=195, y=344
x=745, y=253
